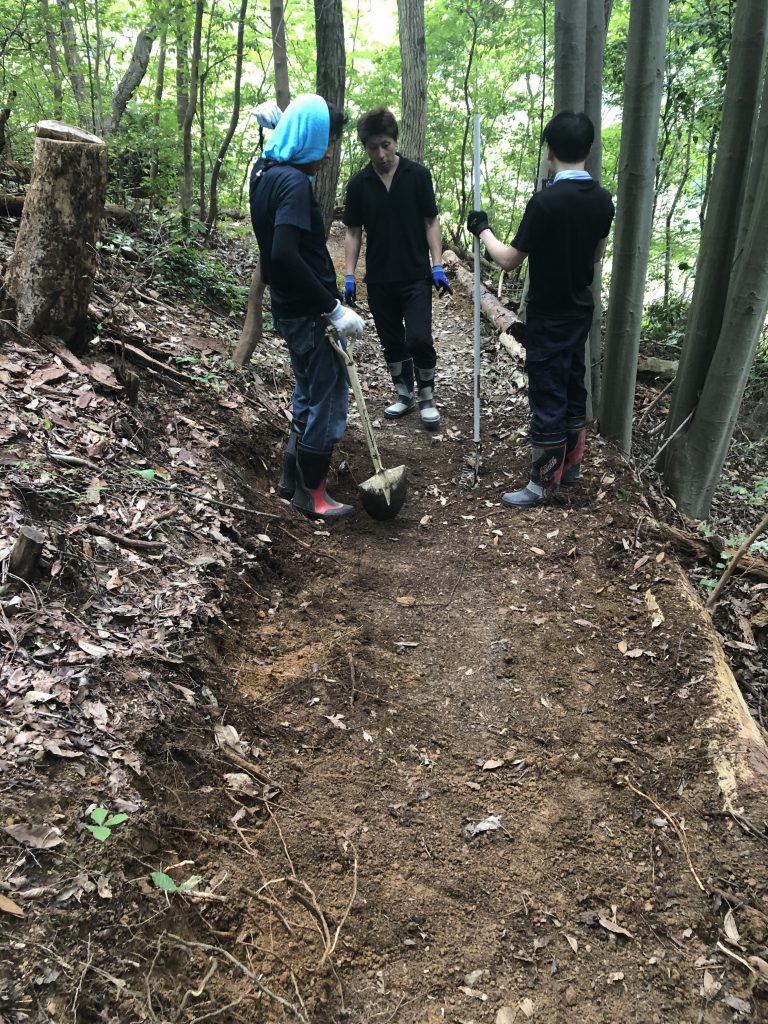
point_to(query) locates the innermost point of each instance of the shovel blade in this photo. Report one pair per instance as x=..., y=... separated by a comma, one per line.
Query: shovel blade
x=382, y=495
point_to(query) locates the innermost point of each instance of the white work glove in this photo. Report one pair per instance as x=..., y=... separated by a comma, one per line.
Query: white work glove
x=346, y=321
x=268, y=114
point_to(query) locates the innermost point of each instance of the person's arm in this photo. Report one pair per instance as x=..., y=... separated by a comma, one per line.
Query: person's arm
x=434, y=240
x=353, y=242
x=291, y=272
x=507, y=256
x=600, y=249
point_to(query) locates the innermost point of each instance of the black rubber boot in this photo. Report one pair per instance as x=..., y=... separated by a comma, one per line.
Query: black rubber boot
x=546, y=470
x=402, y=378
x=287, y=482
x=310, y=496
x=575, y=441
x=425, y=385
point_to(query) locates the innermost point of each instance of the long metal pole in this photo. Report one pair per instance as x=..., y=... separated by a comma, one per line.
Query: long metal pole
x=476, y=174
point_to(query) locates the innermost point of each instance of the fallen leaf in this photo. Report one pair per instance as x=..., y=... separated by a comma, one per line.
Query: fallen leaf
x=641, y=561
x=657, y=616
x=7, y=906
x=473, y=993
x=39, y=837
x=710, y=986
x=336, y=721
x=611, y=926
x=526, y=1005
x=731, y=931
x=406, y=601
x=490, y=824
x=488, y=766
x=572, y=942
x=538, y=551
x=94, y=650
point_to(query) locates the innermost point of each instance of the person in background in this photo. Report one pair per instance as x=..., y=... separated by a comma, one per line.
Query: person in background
x=393, y=201
x=563, y=233
x=296, y=265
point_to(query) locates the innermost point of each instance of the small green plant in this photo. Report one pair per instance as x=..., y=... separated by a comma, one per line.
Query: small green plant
x=623, y=494
x=167, y=884
x=103, y=823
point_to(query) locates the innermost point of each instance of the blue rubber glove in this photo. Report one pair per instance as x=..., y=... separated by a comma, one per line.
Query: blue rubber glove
x=350, y=289
x=440, y=281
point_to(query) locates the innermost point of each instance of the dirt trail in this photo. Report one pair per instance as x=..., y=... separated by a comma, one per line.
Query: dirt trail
x=418, y=677
x=378, y=692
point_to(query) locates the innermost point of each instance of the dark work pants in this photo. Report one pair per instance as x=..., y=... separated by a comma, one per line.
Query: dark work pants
x=554, y=361
x=402, y=312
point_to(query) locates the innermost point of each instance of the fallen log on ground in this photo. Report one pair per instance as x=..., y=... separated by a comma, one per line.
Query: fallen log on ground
x=13, y=206
x=711, y=549
x=503, y=319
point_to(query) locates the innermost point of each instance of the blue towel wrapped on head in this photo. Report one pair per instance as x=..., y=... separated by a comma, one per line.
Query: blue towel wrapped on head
x=301, y=135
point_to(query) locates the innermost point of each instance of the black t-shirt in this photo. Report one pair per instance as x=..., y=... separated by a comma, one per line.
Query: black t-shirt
x=282, y=194
x=560, y=230
x=396, y=237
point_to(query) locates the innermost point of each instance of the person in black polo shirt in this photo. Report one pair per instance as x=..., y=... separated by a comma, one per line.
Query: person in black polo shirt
x=394, y=201
x=563, y=233
x=295, y=263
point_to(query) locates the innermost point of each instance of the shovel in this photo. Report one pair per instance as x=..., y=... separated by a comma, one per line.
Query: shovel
x=382, y=495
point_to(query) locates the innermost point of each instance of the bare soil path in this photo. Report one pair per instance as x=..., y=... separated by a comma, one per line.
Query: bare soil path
x=466, y=765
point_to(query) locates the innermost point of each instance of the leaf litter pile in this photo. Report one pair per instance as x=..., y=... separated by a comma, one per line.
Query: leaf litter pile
x=458, y=766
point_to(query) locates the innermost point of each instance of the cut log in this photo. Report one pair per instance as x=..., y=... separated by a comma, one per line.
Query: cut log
x=665, y=368
x=26, y=553
x=502, y=318
x=53, y=265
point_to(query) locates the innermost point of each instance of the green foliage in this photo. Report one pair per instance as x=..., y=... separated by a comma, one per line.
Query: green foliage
x=167, y=884
x=664, y=322
x=103, y=823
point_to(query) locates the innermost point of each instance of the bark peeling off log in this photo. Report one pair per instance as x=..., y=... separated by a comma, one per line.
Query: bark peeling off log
x=53, y=265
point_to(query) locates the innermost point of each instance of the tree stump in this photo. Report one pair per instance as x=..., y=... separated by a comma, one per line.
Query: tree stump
x=53, y=265
x=26, y=553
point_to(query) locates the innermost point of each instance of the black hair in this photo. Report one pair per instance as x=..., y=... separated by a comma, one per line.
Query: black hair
x=379, y=121
x=337, y=122
x=570, y=136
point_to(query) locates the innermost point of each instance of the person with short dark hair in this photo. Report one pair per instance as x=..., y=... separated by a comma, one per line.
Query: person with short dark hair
x=563, y=233
x=393, y=201
x=297, y=266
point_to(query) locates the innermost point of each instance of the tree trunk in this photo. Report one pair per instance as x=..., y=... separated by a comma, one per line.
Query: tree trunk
x=693, y=473
x=72, y=56
x=235, y=117
x=250, y=335
x=132, y=78
x=570, y=54
x=53, y=58
x=5, y=115
x=413, y=59
x=718, y=238
x=53, y=264
x=596, y=28
x=159, y=86
x=331, y=72
x=279, y=54
x=189, y=116
x=643, y=81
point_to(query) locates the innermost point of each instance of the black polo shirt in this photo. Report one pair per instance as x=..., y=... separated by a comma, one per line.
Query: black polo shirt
x=560, y=230
x=396, y=237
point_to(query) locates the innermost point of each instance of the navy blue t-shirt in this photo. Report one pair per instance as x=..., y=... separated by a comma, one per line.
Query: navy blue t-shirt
x=281, y=194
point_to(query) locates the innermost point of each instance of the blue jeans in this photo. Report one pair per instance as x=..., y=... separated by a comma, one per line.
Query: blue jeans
x=321, y=390
x=554, y=362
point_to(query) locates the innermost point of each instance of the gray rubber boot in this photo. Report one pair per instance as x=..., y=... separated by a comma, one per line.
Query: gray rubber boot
x=402, y=378
x=310, y=496
x=425, y=385
x=546, y=470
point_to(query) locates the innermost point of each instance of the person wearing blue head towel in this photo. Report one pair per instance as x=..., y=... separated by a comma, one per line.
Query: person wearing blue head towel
x=297, y=267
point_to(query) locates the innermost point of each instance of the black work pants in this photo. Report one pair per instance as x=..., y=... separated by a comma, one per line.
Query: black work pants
x=554, y=361
x=402, y=312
